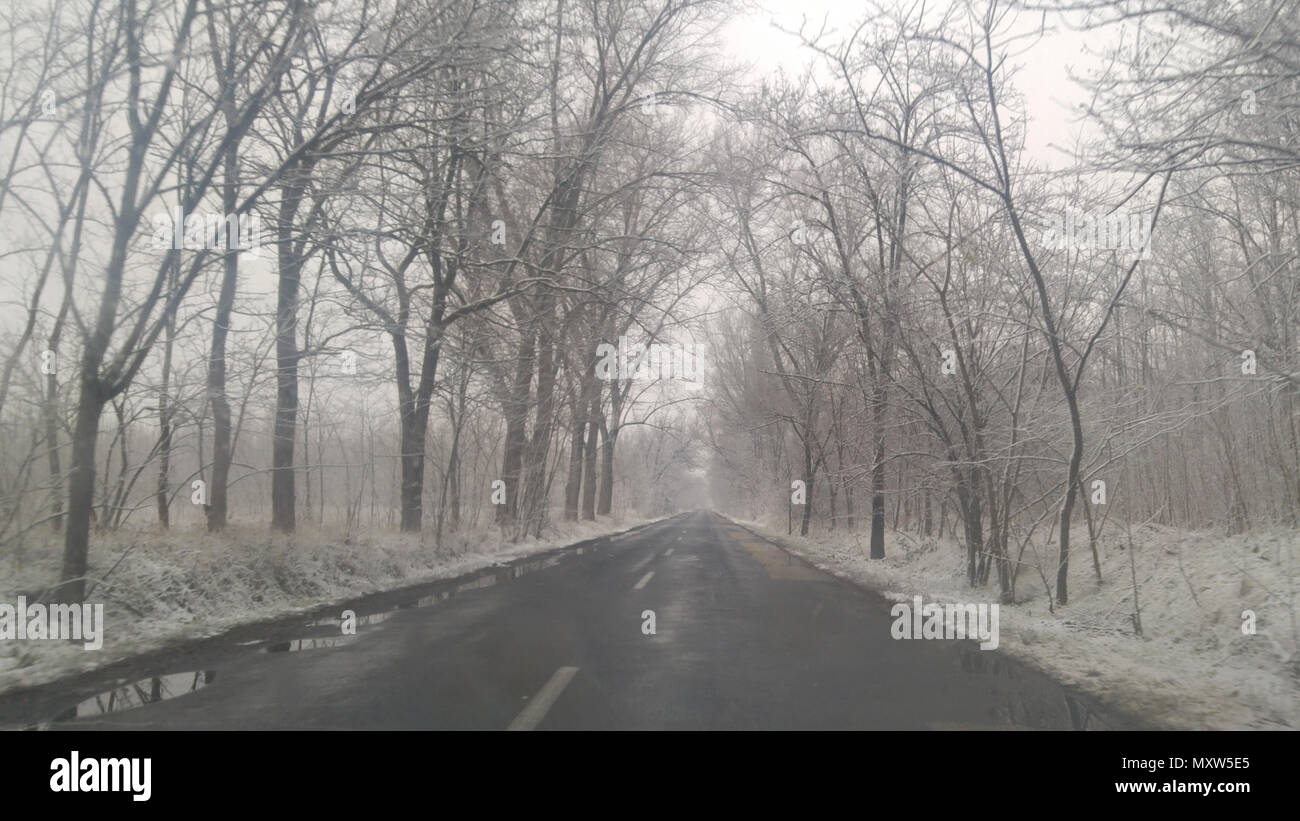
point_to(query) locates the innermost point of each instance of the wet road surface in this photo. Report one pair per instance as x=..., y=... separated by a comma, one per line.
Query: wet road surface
x=745, y=637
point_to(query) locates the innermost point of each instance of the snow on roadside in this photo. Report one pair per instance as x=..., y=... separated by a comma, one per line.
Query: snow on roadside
x=1193, y=667
x=161, y=588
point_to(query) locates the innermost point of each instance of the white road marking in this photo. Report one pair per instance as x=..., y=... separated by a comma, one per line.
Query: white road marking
x=637, y=567
x=817, y=610
x=668, y=552
x=536, y=710
x=644, y=580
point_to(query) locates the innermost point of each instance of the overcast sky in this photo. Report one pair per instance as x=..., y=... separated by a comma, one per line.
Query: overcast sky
x=1052, y=97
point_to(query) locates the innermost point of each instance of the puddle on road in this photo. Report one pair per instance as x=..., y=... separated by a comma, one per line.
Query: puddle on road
x=1028, y=699
x=138, y=693
x=362, y=621
x=308, y=644
x=128, y=696
x=435, y=598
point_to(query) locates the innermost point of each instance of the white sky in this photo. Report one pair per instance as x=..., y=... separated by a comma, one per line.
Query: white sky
x=1044, y=79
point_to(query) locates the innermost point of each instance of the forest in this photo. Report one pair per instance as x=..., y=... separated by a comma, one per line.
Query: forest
x=382, y=267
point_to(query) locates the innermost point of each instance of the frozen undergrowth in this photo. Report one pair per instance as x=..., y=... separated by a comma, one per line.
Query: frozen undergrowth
x=175, y=586
x=1192, y=667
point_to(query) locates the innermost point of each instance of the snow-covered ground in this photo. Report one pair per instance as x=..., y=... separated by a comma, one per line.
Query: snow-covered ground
x=1192, y=667
x=160, y=588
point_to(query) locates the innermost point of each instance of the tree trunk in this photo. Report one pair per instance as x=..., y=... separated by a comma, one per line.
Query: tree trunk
x=536, y=483
x=878, y=491
x=577, y=442
x=283, y=514
x=52, y=446
x=516, y=424
x=595, y=419
x=1067, y=509
x=414, y=426
x=808, y=487
x=847, y=485
x=165, y=431
x=450, y=497
x=52, y=415
x=609, y=437
x=221, y=419
x=81, y=488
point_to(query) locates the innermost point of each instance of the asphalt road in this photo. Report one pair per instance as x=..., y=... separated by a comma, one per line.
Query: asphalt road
x=746, y=637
